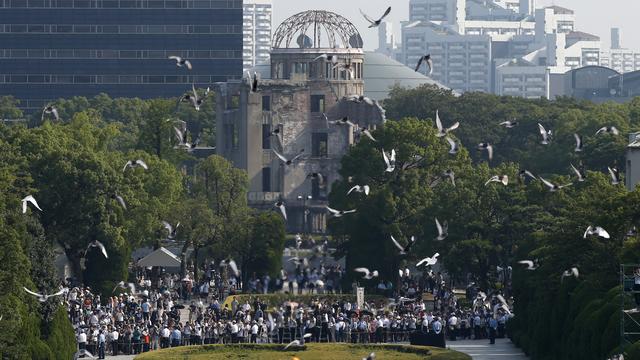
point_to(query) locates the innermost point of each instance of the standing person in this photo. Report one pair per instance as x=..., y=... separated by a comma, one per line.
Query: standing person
x=493, y=327
x=102, y=340
x=115, y=335
x=82, y=340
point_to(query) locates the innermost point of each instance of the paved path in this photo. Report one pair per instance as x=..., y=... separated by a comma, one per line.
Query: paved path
x=482, y=350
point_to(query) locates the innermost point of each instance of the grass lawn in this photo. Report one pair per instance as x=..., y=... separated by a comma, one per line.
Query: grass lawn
x=309, y=352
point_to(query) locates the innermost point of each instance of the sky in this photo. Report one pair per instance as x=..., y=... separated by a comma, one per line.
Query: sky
x=592, y=16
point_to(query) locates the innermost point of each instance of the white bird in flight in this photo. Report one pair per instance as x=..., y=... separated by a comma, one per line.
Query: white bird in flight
x=367, y=274
x=509, y=124
x=361, y=189
x=504, y=179
x=615, y=175
x=326, y=57
x=287, y=161
x=553, y=187
x=404, y=249
x=180, y=62
x=443, y=230
x=546, y=135
x=608, y=130
x=281, y=207
x=98, y=244
x=488, y=147
x=429, y=261
x=442, y=131
x=389, y=160
x=45, y=297
x=297, y=342
x=454, y=146
x=29, y=199
x=50, y=109
x=596, y=230
x=375, y=23
x=579, y=144
x=451, y=175
x=340, y=213
x=135, y=163
x=580, y=174
x=172, y=230
x=530, y=264
x=84, y=353
x=571, y=272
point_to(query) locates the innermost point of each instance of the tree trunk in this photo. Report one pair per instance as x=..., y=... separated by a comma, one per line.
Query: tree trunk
x=195, y=263
x=74, y=260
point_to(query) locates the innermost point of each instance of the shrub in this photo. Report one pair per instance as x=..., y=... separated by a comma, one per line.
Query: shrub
x=61, y=339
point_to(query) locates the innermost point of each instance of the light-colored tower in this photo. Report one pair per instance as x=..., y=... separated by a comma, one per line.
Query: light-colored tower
x=256, y=30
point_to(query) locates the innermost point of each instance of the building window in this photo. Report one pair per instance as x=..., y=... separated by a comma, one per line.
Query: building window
x=266, y=103
x=317, y=103
x=319, y=145
x=266, y=179
x=266, y=136
x=319, y=189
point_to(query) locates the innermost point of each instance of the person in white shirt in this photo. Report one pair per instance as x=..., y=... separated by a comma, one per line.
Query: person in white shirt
x=82, y=340
x=164, y=337
x=254, y=332
x=115, y=335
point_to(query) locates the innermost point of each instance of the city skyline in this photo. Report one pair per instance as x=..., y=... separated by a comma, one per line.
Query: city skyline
x=588, y=16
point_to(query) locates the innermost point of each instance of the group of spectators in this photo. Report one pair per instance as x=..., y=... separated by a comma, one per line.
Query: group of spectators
x=173, y=311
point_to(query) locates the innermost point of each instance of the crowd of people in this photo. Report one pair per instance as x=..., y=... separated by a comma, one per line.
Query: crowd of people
x=178, y=312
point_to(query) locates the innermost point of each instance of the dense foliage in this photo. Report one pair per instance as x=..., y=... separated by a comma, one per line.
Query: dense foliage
x=494, y=226
x=75, y=169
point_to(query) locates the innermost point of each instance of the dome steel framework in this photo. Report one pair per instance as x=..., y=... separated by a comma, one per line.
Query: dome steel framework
x=310, y=28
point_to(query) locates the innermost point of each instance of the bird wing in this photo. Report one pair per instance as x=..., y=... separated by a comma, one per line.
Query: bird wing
x=368, y=134
x=490, y=151
x=348, y=212
x=362, y=270
x=188, y=64
x=33, y=202
x=438, y=122
x=439, y=227
x=355, y=188
x=419, y=63
x=367, y=17
x=283, y=210
x=578, y=140
x=454, y=126
x=168, y=227
x=323, y=56
x=529, y=263
x=576, y=171
x=601, y=130
x=298, y=156
x=61, y=292
x=31, y=292
x=393, y=155
x=587, y=232
x=602, y=232
x=544, y=181
x=451, y=142
x=614, y=131
x=294, y=342
x=395, y=242
x=574, y=272
x=129, y=163
x=613, y=174
x=333, y=211
x=142, y=163
x=366, y=189
x=176, y=58
x=422, y=261
x=54, y=111
x=494, y=178
x=234, y=267
x=284, y=159
x=430, y=63
x=386, y=158
x=542, y=130
x=385, y=13
x=102, y=248
x=195, y=93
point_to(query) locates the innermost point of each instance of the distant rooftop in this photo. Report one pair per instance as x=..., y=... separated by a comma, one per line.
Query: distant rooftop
x=560, y=10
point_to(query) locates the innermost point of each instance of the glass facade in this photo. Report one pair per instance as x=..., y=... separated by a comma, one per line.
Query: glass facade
x=63, y=48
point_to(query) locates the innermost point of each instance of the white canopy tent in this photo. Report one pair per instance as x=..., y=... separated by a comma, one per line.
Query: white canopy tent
x=160, y=257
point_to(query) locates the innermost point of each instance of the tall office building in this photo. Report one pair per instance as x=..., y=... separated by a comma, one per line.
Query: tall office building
x=256, y=32
x=62, y=48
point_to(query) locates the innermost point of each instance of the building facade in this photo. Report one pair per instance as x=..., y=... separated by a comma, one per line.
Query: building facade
x=256, y=32
x=62, y=48
x=294, y=101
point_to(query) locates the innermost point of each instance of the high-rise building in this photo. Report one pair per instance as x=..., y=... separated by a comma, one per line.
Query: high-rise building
x=63, y=48
x=617, y=57
x=616, y=38
x=256, y=32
